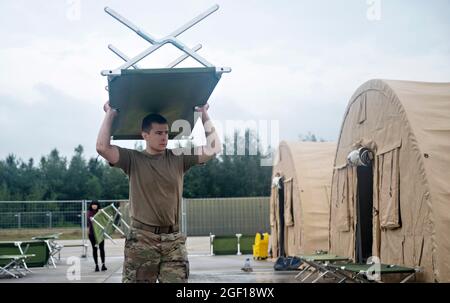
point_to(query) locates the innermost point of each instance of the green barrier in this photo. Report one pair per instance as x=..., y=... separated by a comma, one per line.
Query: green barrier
x=228, y=245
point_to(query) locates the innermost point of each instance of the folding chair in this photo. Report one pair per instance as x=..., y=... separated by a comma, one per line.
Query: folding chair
x=364, y=273
x=106, y=221
x=171, y=92
x=318, y=263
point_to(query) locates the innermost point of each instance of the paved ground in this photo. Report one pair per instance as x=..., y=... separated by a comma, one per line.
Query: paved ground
x=203, y=267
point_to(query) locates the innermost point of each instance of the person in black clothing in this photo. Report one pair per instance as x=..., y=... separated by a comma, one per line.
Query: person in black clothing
x=93, y=209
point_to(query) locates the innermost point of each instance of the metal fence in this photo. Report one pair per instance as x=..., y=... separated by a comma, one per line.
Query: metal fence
x=45, y=214
x=226, y=216
x=28, y=218
x=39, y=214
x=199, y=217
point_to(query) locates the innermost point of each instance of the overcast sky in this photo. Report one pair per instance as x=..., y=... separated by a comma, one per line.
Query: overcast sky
x=297, y=62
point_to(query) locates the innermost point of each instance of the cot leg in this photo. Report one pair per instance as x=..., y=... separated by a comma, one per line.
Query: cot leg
x=303, y=271
x=320, y=276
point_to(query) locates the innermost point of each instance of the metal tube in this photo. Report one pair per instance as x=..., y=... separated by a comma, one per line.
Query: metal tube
x=158, y=43
x=121, y=55
x=96, y=222
x=130, y=25
x=112, y=221
x=115, y=208
x=134, y=60
x=190, y=52
x=83, y=228
x=104, y=234
x=194, y=21
x=125, y=223
x=303, y=271
x=120, y=214
x=183, y=57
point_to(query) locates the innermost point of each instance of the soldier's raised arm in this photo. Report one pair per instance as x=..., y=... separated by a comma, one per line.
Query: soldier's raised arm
x=103, y=146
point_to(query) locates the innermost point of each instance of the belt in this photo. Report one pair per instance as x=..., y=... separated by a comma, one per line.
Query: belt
x=155, y=229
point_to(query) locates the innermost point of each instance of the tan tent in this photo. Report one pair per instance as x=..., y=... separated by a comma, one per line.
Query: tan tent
x=407, y=187
x=306, y=168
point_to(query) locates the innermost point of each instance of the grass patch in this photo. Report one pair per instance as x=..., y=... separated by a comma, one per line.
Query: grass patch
x=28, y=233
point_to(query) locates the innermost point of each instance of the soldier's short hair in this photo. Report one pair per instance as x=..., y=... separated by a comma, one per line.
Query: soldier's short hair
x=152, y=118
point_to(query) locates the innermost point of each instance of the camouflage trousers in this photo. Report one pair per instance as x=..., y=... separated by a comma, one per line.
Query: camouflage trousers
x=153, y=257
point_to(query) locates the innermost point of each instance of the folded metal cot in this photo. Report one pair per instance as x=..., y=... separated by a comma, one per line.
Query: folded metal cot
x=172, y=92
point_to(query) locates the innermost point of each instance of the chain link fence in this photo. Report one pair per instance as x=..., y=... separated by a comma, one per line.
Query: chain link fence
x=199, y=217
x=226, y=216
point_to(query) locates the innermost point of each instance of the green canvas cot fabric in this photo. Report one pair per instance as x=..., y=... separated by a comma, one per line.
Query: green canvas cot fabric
x=323, y=258
x=172, y=93
x=48, y=237
x=14, y=257
x=105, y=217
x=384, y=268
x=38, y=249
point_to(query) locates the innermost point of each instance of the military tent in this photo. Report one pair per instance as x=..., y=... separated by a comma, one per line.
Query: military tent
x=398, y=207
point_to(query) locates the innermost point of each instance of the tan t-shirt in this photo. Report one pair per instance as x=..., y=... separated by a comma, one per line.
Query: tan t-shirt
x=156, y=184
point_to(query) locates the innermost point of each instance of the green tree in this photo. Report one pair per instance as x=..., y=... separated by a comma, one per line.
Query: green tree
x=114, y=184
x=231, y=174
x=75, y=185
x=4, y=192
x=54, y=171
x=310, y=137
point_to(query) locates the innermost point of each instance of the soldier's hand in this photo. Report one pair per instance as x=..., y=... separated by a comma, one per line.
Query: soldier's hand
x=202, y=109
x=108, y=109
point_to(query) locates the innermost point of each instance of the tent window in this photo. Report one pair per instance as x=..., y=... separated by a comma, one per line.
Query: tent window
x=342, y=202
x=389, y=189
x=289, y=210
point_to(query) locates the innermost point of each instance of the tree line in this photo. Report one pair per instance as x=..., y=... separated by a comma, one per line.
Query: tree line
x=55, y=177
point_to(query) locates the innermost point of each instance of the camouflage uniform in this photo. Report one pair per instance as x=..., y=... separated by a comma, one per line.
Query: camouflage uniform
x=153, y=257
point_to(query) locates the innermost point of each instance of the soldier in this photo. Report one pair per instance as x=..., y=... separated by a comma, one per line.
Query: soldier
x=155, y=250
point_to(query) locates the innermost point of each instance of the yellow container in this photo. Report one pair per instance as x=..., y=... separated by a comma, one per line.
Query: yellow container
x=261, y=246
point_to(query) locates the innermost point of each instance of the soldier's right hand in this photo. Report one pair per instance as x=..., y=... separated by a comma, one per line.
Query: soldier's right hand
x=108, y=109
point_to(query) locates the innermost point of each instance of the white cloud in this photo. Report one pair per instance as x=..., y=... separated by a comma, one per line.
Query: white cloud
x=291, y=62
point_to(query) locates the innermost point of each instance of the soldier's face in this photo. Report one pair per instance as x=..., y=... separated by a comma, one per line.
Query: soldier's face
x=158, y=136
